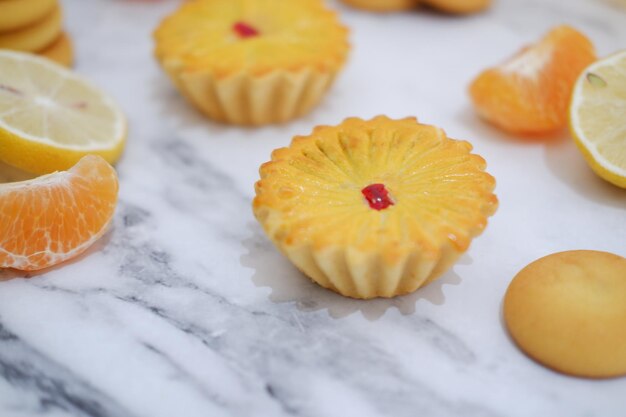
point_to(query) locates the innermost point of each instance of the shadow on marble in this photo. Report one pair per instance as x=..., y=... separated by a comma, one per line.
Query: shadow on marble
x=172, y=106
x=505, y=329
x=289, y=285
x=568, y=165
x=562, y=158
x=99, y=245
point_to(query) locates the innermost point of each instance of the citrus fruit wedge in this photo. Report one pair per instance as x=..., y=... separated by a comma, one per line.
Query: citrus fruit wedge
x=53, y=218
x=598, y=117
x=50, y=118
x=529, y=93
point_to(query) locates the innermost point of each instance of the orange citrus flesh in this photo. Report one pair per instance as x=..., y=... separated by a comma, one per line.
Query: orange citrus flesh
x=53, y=218
x=529, y=93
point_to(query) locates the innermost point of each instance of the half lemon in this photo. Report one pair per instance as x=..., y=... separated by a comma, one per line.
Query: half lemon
x=50, y=118
x=598, y=117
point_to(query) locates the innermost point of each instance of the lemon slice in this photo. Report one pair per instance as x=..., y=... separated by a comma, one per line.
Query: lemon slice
x=50, y=118
x=598, y=117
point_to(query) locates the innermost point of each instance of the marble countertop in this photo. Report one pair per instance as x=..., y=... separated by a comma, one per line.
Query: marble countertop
x=185, y=309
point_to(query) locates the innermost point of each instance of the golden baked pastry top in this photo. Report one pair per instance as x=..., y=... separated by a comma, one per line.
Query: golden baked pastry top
x=226, y=37
x=313, y=192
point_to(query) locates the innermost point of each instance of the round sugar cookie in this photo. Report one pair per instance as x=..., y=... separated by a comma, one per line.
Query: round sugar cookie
x=61, y=51
x=382, y=6
x=15, y=14
x=458, y=6
x=36, y=36
x=568, y=312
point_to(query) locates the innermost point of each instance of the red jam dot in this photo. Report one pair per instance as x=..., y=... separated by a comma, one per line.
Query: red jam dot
x=244, y=30
x=377, y=196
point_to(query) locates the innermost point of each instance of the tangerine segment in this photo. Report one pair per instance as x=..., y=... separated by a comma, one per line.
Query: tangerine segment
x=53, y=218
x=530, y=92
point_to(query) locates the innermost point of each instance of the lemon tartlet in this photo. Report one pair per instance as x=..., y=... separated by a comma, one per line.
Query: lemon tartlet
x=374, y=208
x=252, y=62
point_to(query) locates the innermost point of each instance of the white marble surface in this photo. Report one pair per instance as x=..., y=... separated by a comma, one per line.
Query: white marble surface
x=185, y=309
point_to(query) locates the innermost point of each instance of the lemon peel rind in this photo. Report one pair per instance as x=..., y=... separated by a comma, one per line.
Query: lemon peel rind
x=40, y=158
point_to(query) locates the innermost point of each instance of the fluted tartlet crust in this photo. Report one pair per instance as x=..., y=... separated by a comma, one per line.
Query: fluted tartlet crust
x=310, y=204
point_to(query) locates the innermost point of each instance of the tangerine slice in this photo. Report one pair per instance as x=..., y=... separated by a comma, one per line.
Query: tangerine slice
x=53, y=218
x=530, y=92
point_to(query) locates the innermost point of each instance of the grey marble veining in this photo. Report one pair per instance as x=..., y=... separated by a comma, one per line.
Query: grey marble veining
x=185, y=308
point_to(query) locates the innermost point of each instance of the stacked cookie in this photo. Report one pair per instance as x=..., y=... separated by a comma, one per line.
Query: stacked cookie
x=35, y=26
x=446, y=6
